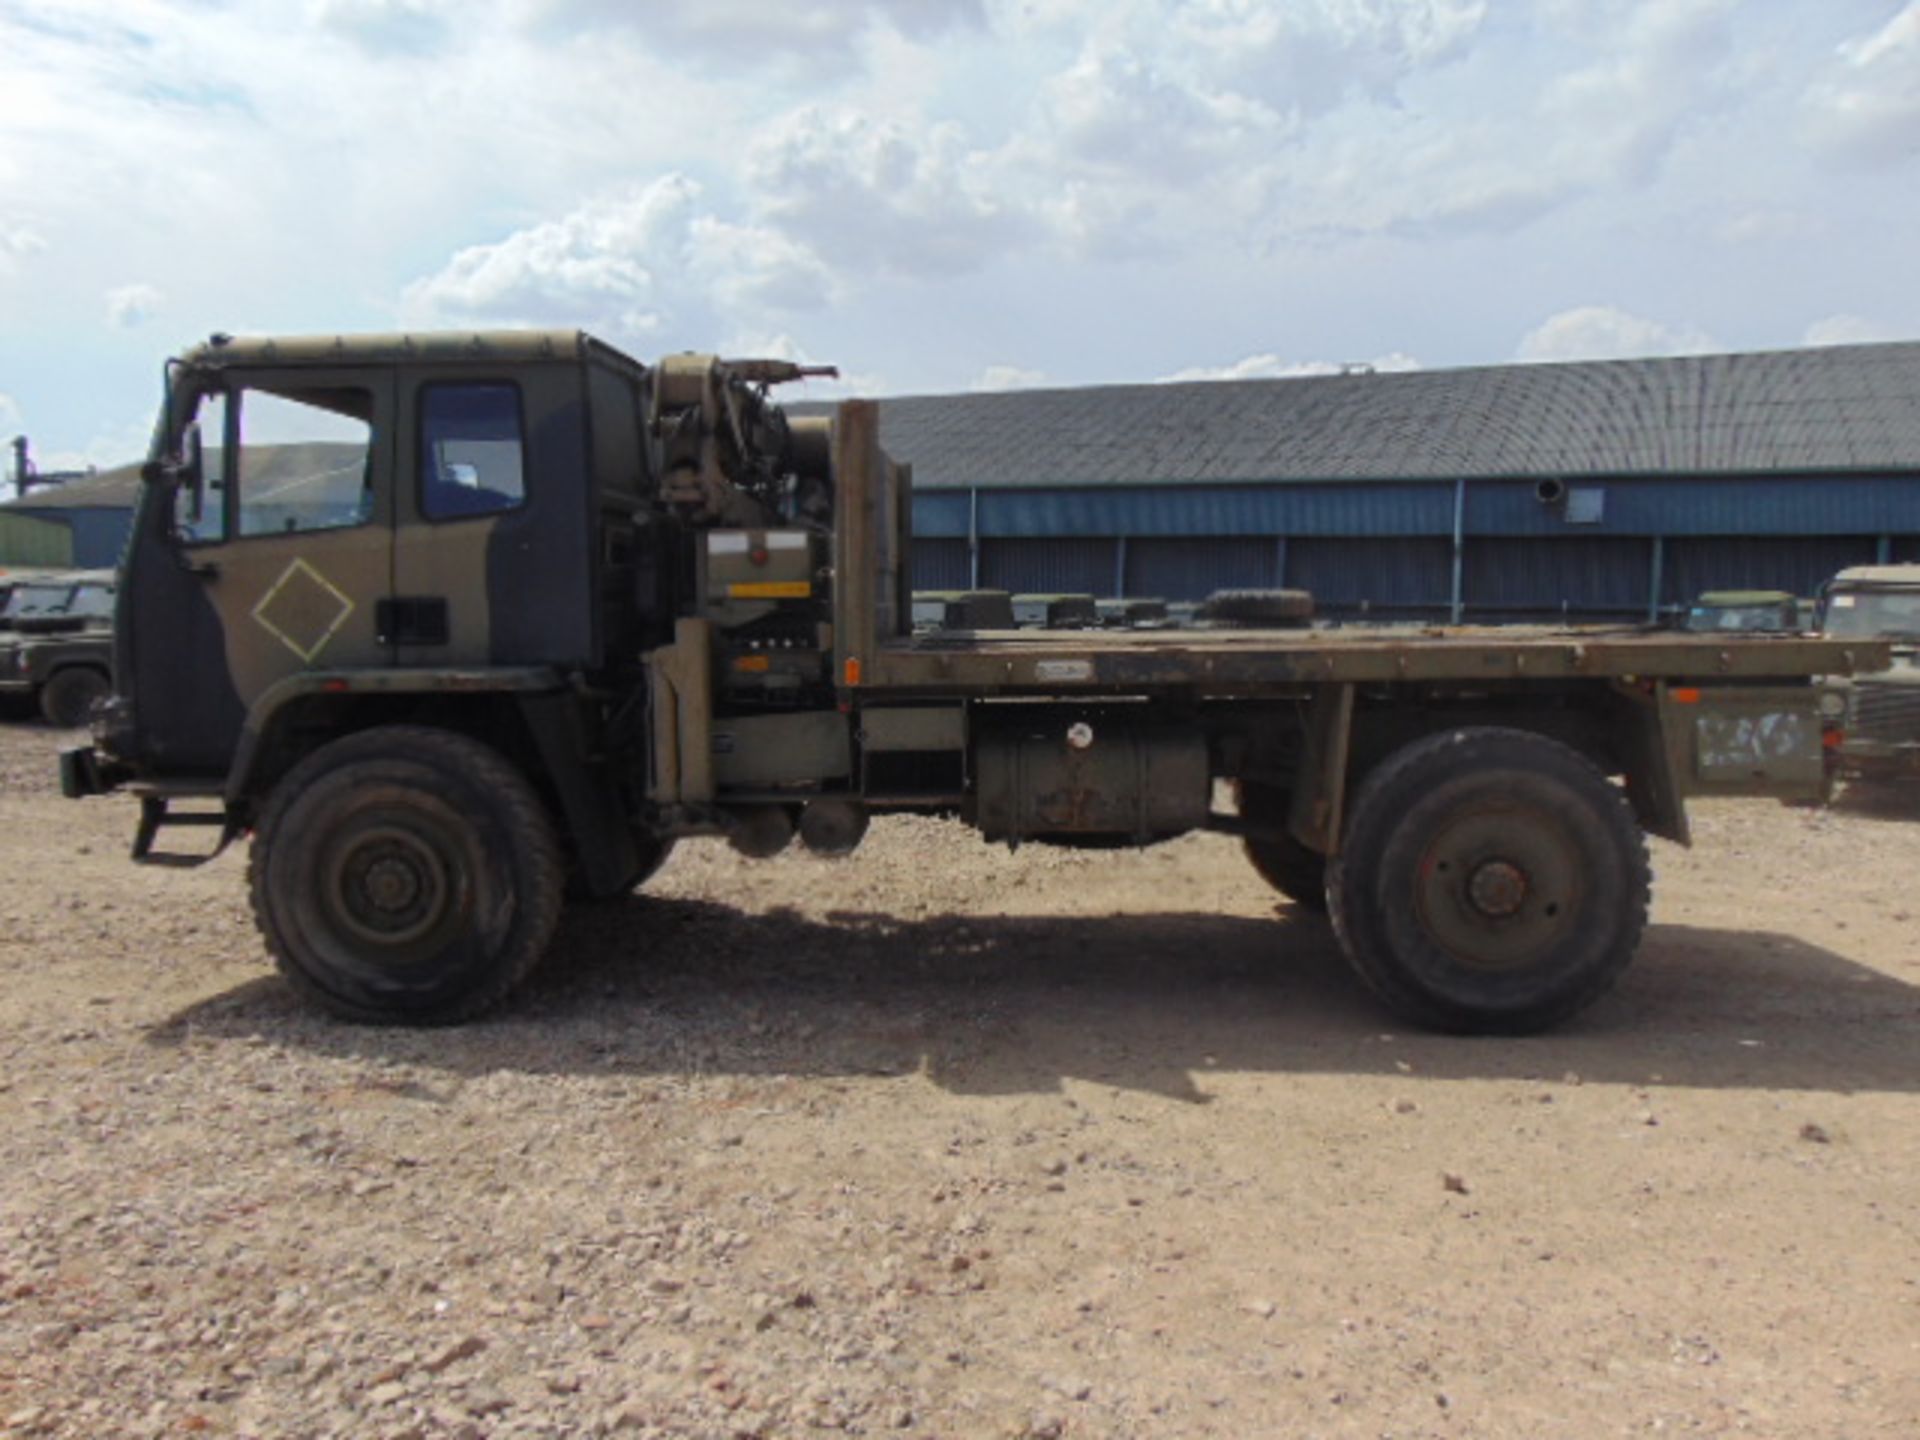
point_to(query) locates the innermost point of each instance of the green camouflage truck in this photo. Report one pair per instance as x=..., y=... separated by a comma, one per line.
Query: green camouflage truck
x=459, y=626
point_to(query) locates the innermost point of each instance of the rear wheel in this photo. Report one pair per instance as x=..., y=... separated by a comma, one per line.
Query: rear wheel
x=405, y=875
x=1283, y=862
x=1490, y=881
x=68, y=697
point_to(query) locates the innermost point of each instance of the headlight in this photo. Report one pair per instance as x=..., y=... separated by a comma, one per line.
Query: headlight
x=1833, y=704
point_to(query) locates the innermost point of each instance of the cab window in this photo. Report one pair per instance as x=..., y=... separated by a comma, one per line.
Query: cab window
x=471, y=451
x=303, y=460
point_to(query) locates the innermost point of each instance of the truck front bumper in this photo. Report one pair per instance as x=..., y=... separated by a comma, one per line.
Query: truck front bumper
x=85, y=771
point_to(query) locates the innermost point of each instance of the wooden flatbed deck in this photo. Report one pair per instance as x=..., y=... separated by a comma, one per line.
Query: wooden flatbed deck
x=1250, y=661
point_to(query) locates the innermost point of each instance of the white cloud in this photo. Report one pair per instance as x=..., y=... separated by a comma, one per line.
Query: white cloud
x=1848, y=330
x=878, y=195
x=1866, y=107
x=1272, y=367
x=1007, y=377
x=1309, y=57
x=131, y=305
x=401, y=28
x=647, y=262
x=756, y=33
x=1605, y=332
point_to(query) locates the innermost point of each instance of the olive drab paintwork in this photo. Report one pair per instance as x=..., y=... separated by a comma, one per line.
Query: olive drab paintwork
x=642, y=603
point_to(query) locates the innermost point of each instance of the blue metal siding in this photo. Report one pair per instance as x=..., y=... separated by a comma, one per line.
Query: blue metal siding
x=1054, y=566
x=1702, y=505
x=1298, y=509
x=1394, y=575
x=940, y=564
x=941, y=512
x=1192, y=569
x=1573, y=575
x=99, y=533
x=1747, y=562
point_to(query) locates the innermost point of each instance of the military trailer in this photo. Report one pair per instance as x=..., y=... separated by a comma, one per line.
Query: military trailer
x=56, y=644
x=578, y=608
x=1881, y=738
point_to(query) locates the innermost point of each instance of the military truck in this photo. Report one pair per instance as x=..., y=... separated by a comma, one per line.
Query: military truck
x=540, y=610
x=1718, y=610
x=56, y=644
x=1881, y=738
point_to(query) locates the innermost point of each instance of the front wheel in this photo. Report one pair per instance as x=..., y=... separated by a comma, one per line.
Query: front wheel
x=1490, y=881
x=405, y=875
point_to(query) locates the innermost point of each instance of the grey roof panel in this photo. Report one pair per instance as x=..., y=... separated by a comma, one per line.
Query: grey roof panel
x=1840, y=408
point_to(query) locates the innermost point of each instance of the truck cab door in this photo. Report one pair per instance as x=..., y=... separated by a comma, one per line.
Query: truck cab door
x=277, y=566
x=493, y=555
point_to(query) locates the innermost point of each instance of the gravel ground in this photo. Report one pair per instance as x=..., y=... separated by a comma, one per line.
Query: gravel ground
x=942, y=1141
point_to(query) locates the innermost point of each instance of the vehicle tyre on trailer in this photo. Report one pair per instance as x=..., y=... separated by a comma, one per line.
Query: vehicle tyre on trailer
x=1283, y=862
x=405, y=875
x=1489, y=881
x=68, y=697
x=1258, y=607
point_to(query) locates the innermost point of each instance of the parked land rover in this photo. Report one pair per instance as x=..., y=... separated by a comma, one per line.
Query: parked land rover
x=1879, y=602
x=56, y=644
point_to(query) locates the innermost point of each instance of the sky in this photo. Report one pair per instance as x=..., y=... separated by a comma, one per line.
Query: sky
x=949, y=195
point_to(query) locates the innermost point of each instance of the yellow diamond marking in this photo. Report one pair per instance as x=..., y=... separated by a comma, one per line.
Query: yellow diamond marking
x=302, y=592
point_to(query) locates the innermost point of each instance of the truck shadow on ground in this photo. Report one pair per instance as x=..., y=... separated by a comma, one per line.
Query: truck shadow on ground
x=1012, y=1004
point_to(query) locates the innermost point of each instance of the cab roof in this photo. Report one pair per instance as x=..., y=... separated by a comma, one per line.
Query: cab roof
x=1902, y=575
x=441, y=347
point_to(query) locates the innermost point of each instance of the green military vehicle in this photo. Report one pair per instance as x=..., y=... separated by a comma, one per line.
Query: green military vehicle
x=1881, y=738
x=1721, y=610
x=56, y=644
x=527, y=611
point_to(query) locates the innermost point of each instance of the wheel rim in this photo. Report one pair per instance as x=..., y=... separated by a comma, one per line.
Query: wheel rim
x=390, y=887
x=1496, y=888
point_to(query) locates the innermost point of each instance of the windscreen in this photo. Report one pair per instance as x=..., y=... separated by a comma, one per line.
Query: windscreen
x=1874, y=612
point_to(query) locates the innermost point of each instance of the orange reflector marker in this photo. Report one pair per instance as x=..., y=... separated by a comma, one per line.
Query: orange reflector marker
x=851, y=670
x=334, y=687
x=1684, y=695
x=753, y=664
x=1833, y=739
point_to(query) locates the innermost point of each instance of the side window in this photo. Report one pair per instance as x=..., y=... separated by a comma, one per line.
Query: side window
x=211, y=522
x=471, y=454
x=303, y=460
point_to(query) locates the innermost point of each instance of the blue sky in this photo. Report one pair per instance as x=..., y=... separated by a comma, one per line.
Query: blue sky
x=942, y=195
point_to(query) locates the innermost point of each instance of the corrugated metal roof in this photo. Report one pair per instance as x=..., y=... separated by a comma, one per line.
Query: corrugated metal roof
x=115, y=489
x=1844, y=408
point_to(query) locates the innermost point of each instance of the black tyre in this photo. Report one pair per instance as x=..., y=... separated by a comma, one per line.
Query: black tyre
x=68, y=697
x=1283, y=862
x=1490, y=881
x=1258, y=607
x=651, y=851
x=405, y=876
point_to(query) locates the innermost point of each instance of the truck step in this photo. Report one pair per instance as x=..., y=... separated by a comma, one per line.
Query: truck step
x=155, y=814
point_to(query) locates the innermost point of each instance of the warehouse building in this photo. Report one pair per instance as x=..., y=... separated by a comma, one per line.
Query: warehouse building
x=90, y=514
x=1614, y=490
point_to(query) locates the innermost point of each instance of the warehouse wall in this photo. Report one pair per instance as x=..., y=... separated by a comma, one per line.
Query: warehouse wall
x=1610, y=549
